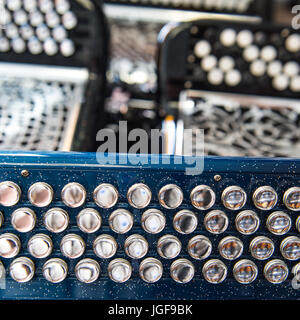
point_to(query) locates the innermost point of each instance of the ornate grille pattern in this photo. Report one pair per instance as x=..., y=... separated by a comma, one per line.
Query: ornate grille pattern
x=34, y=114
x=232, y=129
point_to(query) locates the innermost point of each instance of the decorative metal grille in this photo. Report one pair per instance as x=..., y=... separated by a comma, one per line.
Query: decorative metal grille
x=37, y=115
x=234, y=129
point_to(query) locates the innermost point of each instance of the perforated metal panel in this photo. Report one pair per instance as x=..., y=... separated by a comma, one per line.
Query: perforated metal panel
x=38, y=115
x=243, y=126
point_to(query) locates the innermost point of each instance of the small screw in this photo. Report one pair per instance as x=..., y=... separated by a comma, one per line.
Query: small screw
x=25, y=173
x=194, y=30
x=191, y=59
x=93, y=76
x=217, y=177
x=188, y=84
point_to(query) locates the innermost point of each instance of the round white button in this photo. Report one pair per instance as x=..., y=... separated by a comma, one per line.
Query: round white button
x=22, y=269
x=10, y=193
x=105, y=195
x=73, y=195
x=139, y=195
x=121, y=221
x=153, y=221
x=87, y=270
x=72, y=246
x=23, y=219
x=89, y=220
x=151, y=270
x=56, y=220
x=170, y=196
x=40, y=194
x=40, y=246
x=119, y=270
x=105, y=246
x=55, y=270
x=10, y=245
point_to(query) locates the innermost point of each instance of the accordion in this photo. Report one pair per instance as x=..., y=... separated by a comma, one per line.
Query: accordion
x=217, y=222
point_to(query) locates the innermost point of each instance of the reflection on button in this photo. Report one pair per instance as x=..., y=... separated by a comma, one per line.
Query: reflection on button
x=55, y=270
x=216, y=222
x=279, y=223
x=23, y=219
x=72, y=246
x=73, y=195
x=89, y=220
x=56, y=220
x=199, y=247
x=22, y=269
x=151, y=270
x=153, y=221
x=291, y=199
x=40, y=246
x=261, y=248
x=247, y=222
x=87, y=270
x=139, y=195
x=234, y=198
x=265, y=198
x=105, y=195
x=10, y=245
x=10, y=193
x=119, y=270
x=230, y=248
x=40, y=194
x=182, y=271
x=170, y=196
x=276, y=271
x=168, y=246
x=120, y=221
x=290, y=248
x=105, y=246
x=136, y=246
x=245, y=271
x=214, y=271
x=203, y=197
x=185, y=222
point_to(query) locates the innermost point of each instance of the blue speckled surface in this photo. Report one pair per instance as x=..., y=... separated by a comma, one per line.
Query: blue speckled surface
x=58, y=169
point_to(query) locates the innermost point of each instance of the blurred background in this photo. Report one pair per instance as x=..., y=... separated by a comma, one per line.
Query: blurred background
x=229, y=67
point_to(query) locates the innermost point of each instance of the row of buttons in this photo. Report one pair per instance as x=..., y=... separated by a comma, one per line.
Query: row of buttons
x=136, y=246
x=61, y=6
x=119, y=270
x=153, y=221
x=139, y=196
x=258, y=59
x=38, y=27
